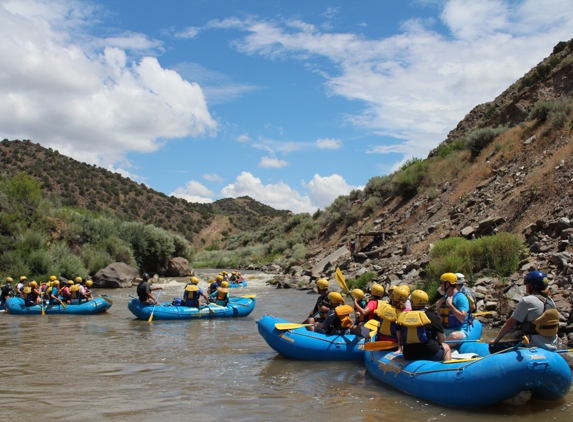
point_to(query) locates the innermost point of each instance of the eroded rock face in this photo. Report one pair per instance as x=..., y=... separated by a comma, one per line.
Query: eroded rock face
x=179, y=267
x=115, y=276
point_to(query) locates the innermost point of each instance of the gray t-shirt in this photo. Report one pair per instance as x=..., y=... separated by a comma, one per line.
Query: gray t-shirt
x=529, y=309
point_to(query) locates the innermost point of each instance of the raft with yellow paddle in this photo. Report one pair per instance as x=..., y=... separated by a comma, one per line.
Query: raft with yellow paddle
x=17, y=306
x=295, y=341
x=482, y=381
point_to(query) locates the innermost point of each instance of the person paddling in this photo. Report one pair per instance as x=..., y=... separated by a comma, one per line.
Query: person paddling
x=144, y=290
x=323, y=304
x=6, y=291
x=221, y=296
x=193, y=293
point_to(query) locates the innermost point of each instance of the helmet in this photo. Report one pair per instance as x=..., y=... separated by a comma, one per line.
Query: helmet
x=56, y=283
x=33, y=283
x=225, y=284
x=145, y=276
x=49, y=284
x=322, y=284
x=235, y=272
x=194, y=280
x=89, y=282
x=78, y=279
x=27, y=290
x=377, y=290
x=70, y=282
x=23, y=277
x=419, y=298
x=357, y=294
x=461, y=278
x=225, y=273
x=449, y=278
x=400, y=293
x=391, y=289
x=219, y=278
x=335, y=297
x=405, y=286
x=9, y=280
x=537, y=279
x=53, y=277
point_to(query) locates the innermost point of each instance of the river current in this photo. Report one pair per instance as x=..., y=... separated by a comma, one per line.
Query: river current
x=114, y=367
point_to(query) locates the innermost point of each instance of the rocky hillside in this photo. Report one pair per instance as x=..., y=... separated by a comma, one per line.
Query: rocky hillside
x=81, y=185
x=521, y=182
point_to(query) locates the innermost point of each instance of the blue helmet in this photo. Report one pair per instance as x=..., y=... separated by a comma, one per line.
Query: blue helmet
x=537, y=279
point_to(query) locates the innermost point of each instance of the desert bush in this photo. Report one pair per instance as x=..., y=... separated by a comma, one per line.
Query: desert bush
x=370, y=206
x=40, y=263
x=13, y=265
x=379, y=186
x=446, y=149
x=361, y=282
x=481, y=138
x=410, y=177
x=431, y=287
x=95, y=259
x=31, y=241
x=542, y=109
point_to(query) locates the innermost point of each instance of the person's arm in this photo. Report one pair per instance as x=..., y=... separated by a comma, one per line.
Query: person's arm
x=507, y=327
x=460, y=315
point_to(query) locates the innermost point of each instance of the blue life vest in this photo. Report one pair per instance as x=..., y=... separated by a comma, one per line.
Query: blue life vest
x=192, y=298
x=447, y=316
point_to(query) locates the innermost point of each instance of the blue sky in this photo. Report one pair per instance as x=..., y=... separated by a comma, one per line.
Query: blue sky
x=290, y=102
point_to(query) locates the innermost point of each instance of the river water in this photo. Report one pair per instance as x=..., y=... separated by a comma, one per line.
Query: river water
x=113, y=367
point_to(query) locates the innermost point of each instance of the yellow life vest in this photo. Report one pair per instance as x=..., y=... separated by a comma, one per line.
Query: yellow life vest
x=413, y=320
x=75, y=291
x=547, y=324
x=222, y=293
x=343, y=313
x=389, y=315
x=192, y=288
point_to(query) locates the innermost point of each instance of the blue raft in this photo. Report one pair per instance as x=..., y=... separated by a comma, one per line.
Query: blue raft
x=237, y=307
x=303, y=344
x=16, y=306
x=237, y=285
x=479, y=382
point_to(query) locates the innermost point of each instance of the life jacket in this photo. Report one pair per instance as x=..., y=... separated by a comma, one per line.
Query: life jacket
x=191, y=296
x=413, y=326
x=76, y=294
x=547, y=324
x=320, y=302
x=222, y=296
x=52, y=291
x=378, y=302
x=65, y=292
x=30, y=296
x=447, y=316
x=359, y=316
x=470, y=296
x=213, y=287
x=343, y=316
x=387, y=315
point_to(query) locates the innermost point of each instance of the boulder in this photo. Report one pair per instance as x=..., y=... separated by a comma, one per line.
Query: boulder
x=178, y=267
x=114, y=276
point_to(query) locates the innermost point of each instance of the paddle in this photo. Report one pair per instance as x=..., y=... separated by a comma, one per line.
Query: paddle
x=249, y=296
x=564, y=351
x=380, y=345
x=289, y=325
x=463, y=341
x=42, y=303
x=340, y=280
x=62, y=303
x=151, y=316
x=483, y=313
x=106, y=298
x=524, y=341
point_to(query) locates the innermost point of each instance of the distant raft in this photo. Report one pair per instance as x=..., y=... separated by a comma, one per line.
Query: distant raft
x=237, y=285
x=237, y=307
x=479, y=382
x=302, y=344
x=17, y=306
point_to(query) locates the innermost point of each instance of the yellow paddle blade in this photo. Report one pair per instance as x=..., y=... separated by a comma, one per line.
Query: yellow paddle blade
x=372, y=324
x=249, y=296
x=462, y=360
x=340, y=280
x=289, y=325
x=380, y=345
x=251, y=277
x=483, y=313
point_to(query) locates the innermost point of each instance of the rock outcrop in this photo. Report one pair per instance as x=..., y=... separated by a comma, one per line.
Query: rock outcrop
x=114, y=276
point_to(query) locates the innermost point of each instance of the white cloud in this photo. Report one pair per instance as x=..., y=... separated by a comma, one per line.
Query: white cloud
x=189, y=32
x=243, y=138
x=417, y=85
x=212, y=177
x=194, y=192
x=87, y=96
x=278, y=195
x=272, y=162
x=324, y=190
x=329, y=143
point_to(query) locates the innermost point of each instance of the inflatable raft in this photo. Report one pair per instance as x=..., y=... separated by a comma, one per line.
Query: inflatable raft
x=303, y=344
x=237, y=307
x=478, y=382
x=237, y=285
x=16, y=306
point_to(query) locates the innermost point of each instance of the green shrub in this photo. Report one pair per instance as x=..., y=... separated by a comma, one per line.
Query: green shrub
x=362, y=281
x=379, y=186
x=542, y=109
x=481, y=138
x=431, y=287
x=40, y=263
x=410, y=177
x=449, y=148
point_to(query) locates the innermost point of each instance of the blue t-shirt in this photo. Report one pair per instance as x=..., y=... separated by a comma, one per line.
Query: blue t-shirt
x=461, y=303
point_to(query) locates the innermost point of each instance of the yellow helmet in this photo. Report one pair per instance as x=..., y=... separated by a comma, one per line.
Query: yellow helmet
x=419, y=298
x=225, y=273
x=194, y=280
x=235, y=272
x=377, y=290
x=23, y=277
x=449, y=278
x=49, y=284
x=357, y=294
x=56, y=283
x=70, y=282
x=400, y=293
x=89, y=282
x=9, y=280
x=78, y=279
x=219, y=278
x=335, y=297
x=391, y=289
x=53, y=277
x=225, y=284
x=322, y=284
x=27, y=290
x=33, y=283
x=405, y=286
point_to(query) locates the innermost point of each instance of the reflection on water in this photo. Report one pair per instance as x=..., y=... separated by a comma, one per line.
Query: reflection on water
x=113, y=367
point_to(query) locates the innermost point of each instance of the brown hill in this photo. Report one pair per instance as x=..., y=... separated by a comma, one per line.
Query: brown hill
x=86, y=186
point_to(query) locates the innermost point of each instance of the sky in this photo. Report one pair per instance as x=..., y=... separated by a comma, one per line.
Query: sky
x=292, y=103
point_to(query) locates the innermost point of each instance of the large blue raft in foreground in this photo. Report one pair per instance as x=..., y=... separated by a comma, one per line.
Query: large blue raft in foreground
x=479, y=382
x=237, y=307
x=303, y=344
x=16, y=306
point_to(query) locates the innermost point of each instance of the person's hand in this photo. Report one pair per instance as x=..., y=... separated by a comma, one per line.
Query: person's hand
x=492, y=342
x=449, y=302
